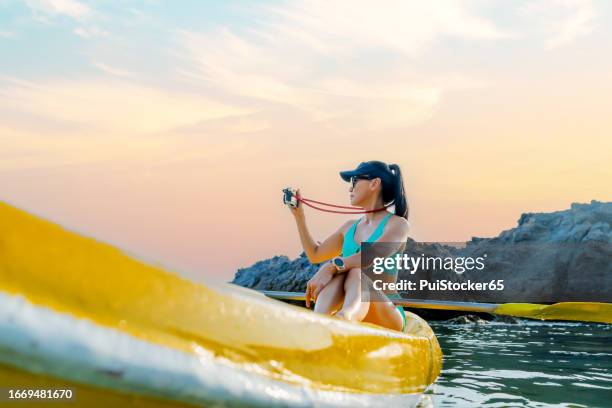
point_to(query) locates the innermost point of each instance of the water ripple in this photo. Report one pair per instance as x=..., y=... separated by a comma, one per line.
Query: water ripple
x=532, y=364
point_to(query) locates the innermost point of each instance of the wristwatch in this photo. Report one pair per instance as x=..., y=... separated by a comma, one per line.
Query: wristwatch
x=338, y=262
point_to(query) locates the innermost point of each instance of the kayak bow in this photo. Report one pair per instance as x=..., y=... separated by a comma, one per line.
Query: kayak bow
x=78, y=313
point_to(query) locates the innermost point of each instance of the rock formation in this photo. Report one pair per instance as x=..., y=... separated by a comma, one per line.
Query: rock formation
x=549, y=257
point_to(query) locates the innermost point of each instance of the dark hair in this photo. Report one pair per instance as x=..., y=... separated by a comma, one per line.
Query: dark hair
x=393, y=187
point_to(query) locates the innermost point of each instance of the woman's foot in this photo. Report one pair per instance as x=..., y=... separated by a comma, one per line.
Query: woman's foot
x=341, y=315
x=349, y=315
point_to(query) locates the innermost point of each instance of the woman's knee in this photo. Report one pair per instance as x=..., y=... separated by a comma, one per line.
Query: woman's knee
x=331, y=296
x=353, y=277
x=353, y=274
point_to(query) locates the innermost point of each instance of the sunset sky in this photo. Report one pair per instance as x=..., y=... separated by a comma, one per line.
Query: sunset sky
x=169, y=128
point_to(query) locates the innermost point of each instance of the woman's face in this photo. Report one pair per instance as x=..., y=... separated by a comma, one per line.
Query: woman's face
x=360, y=190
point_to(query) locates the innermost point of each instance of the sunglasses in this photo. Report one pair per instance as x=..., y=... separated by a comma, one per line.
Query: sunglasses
x=354, y=179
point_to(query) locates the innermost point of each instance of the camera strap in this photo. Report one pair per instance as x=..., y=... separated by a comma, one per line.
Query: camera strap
x=353, y=210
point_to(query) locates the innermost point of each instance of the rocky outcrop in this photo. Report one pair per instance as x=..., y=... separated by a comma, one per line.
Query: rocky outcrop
x=277, y=273
x=549, y=257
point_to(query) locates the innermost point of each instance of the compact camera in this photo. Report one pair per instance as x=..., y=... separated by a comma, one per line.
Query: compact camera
x=290, y=197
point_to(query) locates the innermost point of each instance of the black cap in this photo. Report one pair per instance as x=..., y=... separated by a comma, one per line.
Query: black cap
x=372, y=168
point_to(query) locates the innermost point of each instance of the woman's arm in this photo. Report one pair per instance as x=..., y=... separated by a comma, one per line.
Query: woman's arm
x=318, y=253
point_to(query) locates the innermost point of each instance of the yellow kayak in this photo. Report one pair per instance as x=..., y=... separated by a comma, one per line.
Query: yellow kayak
x=81, y=315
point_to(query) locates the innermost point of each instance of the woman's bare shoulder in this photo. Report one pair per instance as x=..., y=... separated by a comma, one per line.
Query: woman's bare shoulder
x=400, y=222
x=345, y=227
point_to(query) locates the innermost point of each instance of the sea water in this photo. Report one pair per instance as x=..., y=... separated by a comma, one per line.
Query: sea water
x=528, y=364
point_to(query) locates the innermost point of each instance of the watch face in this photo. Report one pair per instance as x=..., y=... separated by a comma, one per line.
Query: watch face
x=339, y=262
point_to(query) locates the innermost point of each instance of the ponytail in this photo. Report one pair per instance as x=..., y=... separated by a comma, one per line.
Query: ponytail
x=392, y=184
x=399, y=199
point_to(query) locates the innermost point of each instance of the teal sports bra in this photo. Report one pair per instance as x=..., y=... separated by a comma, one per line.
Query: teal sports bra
x=350, y=247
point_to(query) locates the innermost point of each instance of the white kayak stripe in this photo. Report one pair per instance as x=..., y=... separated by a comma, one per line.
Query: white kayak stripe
x=41, y=340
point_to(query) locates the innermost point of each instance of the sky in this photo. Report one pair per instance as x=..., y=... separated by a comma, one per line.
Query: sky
x=169, y=128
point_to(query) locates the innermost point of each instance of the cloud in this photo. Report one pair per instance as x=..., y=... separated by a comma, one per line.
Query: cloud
x=31, y=149
x=90, y=32
x=349, y=63
x=561, y=21
x=70, y=8
x=118, y=72
x=110, y=106
x=407, y=27
x=7, y=34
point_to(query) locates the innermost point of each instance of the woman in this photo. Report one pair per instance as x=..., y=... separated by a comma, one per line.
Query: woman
x=336, y=287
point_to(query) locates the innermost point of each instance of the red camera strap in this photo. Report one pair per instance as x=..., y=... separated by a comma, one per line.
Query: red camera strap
x=355, y=210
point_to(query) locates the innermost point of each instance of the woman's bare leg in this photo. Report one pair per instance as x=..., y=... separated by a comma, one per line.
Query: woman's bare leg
x=382, y=311
x=354, y=308
x=331, y=296
x=358, y=307
x=385, y=314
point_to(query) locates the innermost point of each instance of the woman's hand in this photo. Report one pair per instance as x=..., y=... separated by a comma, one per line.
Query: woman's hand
x=298, y=212
x=316, y=284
